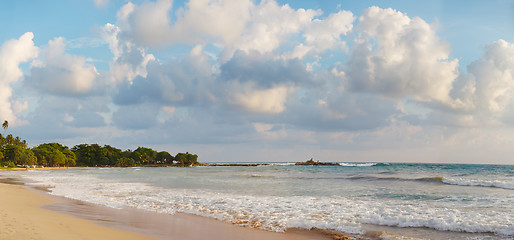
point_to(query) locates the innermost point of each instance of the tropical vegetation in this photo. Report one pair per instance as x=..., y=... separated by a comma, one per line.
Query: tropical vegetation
x=15, y=152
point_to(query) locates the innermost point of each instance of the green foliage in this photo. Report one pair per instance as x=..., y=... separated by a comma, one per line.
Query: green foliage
x=11, y=140
x=7, y=164
x=109, y=155
x=95, y=155
x=88, y=155
x=5, y=125
x=145, y=155
x=186, y=159
x=54, y=154
x=15, y=151
x=164, y=158
x=125, y=162
x=70, y=157
x=19, y=155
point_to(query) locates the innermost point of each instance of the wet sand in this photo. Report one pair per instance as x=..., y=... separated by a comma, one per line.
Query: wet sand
x=179, y=225
x=23, y=219
x=33, y=214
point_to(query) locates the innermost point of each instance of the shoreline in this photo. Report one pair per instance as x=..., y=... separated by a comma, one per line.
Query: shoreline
x=54, y=217
x=23, y=218
x=191, y=227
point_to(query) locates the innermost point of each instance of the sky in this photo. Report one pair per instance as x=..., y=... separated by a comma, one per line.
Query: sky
x=264, y=81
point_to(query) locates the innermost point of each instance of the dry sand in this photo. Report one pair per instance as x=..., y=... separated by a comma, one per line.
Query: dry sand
x=21, y=218
x=27, y=214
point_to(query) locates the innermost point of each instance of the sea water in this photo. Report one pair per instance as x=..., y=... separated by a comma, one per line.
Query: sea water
x=475, y=200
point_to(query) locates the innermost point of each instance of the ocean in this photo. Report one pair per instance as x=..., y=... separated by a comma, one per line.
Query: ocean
x=412, y=201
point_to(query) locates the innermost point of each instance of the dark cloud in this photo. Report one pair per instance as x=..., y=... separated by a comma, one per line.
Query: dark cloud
x=265, y=70
x=184, y=82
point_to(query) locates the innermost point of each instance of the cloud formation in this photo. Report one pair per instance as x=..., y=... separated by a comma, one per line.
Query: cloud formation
x=486, y=92
x=129, y=60
x=325, y=34
x=12, y=53
x=61, y=73
x=493, y=77
x=397, y=56
x=148, y=23
x=228, y=72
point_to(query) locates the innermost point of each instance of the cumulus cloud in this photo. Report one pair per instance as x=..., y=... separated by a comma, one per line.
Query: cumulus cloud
x=259, y=83
x=12, y=53
x=61, y=73
x=234, y=25
x=485, y=93
x=148, y=23
x=220, y=21
x=397, y=56
x=270, y=25
x=493, y=76
x=129, y=60
x=325, y=34
x=270, y=100
x=328, y=106
x=186, y=81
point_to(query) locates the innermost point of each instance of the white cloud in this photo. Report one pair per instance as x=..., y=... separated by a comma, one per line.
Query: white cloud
x=235, y=25
x=12, y=53
x=493, y=76
x=325, y=34
x=129, y=61
x=61, y=73
x=396, y=56
x=148, y=23
x=268, y=101
x=220, y=21
x=271, y=24
x=485, y=95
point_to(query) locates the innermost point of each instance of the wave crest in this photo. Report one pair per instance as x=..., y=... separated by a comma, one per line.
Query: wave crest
x=444, y=180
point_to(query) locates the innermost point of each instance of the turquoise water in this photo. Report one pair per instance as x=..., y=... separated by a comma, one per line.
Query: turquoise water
x=475, y=199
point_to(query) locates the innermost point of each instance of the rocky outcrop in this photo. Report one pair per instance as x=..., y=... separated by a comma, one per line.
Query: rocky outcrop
x=316, y=163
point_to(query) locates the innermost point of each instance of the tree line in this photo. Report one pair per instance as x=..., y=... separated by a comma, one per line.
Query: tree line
x=15, y=152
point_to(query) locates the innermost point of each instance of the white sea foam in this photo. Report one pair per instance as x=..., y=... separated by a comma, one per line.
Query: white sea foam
x=358, y=164
x=479, y=183
x=282, y=164
x=275, y=213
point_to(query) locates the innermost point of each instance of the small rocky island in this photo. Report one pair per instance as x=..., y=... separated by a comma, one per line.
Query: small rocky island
x=311, y=162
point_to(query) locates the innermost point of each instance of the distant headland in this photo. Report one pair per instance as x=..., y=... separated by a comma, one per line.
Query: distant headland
x=14, y=152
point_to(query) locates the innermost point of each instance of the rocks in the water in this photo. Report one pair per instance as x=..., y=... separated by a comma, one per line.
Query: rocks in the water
x=311, y=162
x=236, y=164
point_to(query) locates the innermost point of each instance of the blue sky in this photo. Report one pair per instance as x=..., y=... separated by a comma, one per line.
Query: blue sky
x=276, y=80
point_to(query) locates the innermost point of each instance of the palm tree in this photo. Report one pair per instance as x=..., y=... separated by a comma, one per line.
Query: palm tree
x=5, y=125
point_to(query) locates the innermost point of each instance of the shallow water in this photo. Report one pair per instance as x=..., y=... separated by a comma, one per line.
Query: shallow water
x=454, y=201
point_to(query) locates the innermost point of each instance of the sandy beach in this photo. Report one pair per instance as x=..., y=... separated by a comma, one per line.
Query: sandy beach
x=31, y=214
x=22, y=218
